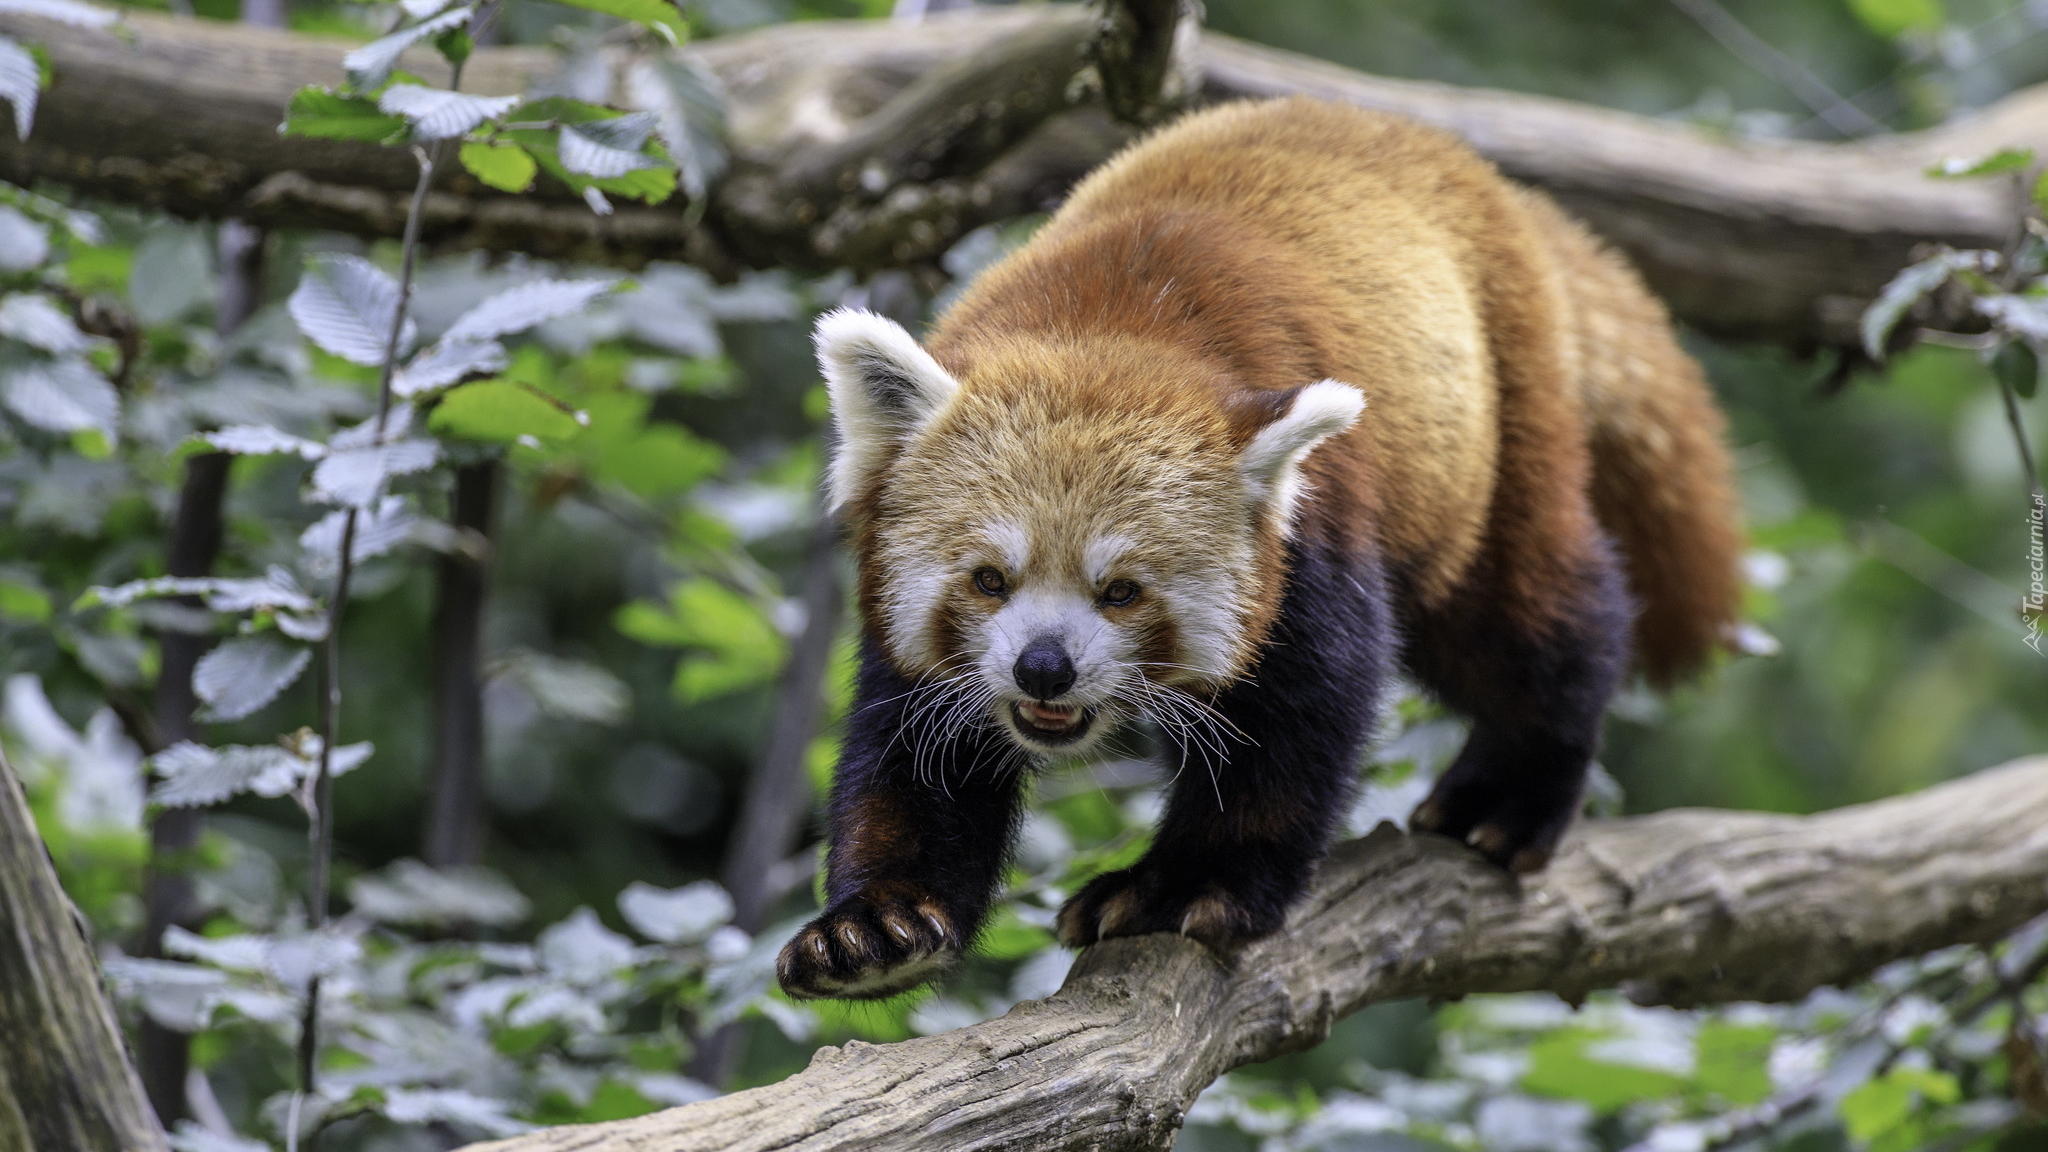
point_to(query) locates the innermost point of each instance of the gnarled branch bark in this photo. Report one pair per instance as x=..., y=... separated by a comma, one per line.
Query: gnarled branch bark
x=873, y=145
x=1685, y=907
x=65, y=1079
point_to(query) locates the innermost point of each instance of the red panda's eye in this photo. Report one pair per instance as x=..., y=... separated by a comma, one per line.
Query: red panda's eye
x=990, y=581
x=1119, y=593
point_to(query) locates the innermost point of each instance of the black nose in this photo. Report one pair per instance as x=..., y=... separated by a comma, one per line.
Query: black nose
x=1043, y=669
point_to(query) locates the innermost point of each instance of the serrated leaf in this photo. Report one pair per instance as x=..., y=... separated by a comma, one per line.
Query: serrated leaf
x=244, y=673
x=453, y=1106
x=24, y=244
x=448, y=363
x=194, y=775
x=661, y=15
x=371, y=65
x=505, y=167
x=175, y=995
x=63, y=11
x=275, y=590
x=2003, y=160
x=263, y=440
x=688, y=106
x=683, y=915
x=582, y=950
x=520, y=308
x=63, y=396
x=242, y=952
x=606, y=149
x=21, y=82
x=397, y=421
x=296, y=959
x=355, y=477
x=378, y=531
x=35, y=320
x=501, y=412
x=345, y=304
x=2024, y=315
x=325, y=115
x=409, y=892
x=1908, y=288
x=436, y=113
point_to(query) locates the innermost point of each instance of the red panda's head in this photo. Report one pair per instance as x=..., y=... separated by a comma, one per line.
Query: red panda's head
x=1065, y=535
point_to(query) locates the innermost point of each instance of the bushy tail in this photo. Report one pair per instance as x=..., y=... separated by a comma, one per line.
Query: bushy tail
x=1663, y=482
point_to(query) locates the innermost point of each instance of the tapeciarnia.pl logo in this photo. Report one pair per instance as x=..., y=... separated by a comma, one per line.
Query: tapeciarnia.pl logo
x=2035, y=606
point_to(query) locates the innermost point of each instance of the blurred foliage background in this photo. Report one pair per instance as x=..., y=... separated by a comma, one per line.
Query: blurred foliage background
x=641, y=605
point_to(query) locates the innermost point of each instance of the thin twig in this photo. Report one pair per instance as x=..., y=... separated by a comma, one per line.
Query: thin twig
x=320, y=829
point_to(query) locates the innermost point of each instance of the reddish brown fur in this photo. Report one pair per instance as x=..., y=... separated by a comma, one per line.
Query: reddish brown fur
x=1519, y=378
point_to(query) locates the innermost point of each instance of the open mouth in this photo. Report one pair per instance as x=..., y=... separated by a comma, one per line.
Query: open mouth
x=1050, y=724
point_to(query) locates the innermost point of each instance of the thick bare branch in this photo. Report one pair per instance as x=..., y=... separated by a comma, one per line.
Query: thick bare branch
x=65, y=1079
x=876, y=144
x=1683, y=907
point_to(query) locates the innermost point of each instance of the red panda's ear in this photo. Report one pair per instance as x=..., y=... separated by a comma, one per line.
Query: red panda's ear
x=1271, y=463
x=884, y=387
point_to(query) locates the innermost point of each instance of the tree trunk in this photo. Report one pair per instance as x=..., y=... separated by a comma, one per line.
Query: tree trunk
x=65, y=1081
x=878, y=144
x=455, y=809
x=1684, y=908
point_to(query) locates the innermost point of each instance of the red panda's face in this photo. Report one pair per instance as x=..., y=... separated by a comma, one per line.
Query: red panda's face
x=1062, y=539
x=1065, y=570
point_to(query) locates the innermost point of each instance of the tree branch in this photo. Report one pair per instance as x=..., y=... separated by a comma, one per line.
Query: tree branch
x=65, y=1080
x=1684, y=907
x=878, y=144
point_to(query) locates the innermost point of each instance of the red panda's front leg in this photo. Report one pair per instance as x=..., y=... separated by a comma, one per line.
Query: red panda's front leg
x=922, y=815
x=1243, y=832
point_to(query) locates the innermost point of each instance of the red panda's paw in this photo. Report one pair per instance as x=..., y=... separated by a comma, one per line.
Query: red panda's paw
x=869, y=946
x=1139, y=900
x=1516, y=828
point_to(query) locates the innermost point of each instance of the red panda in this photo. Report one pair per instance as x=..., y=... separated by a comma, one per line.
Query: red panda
x=1285, y=397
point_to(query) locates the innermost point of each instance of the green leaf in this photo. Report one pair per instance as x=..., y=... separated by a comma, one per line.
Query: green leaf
x=2003, y=160
x=2041, y=192
x=1890, y=18
x=455, y=45
x=615, y=1101
x=1888, y=1102
x=1008, y=938
x=328, y=115
x=505, y=167
x=1559, y=1066
x=501, y=412
x=1734, y=1061
x=660, y=15
x=1909, y=287
x=2018, y=368
x=661, y=461
x=652, y=185
x=24, y=602
x=730, y=644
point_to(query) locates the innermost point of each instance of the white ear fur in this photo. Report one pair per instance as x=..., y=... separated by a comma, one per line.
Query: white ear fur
x=884, y=387
x=1271, y=463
